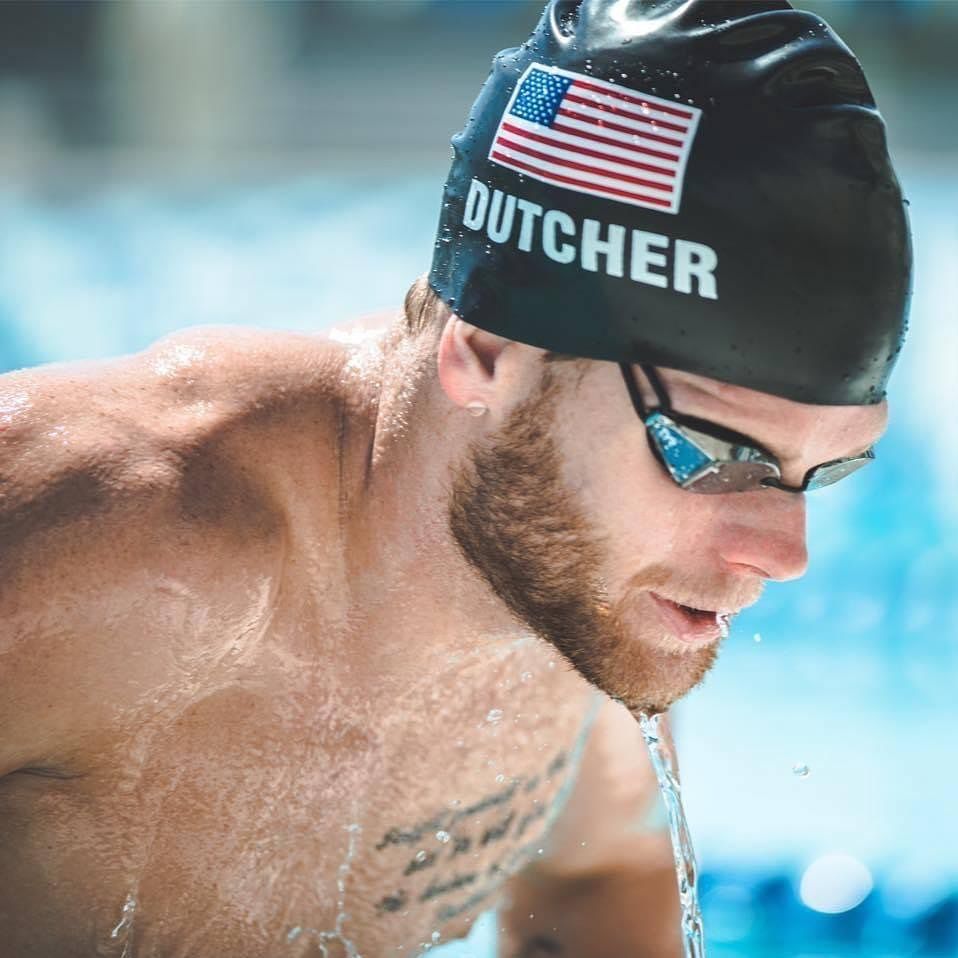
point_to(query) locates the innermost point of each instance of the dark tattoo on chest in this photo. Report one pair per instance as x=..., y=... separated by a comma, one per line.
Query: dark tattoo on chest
x=459, y=832
x=539, y=946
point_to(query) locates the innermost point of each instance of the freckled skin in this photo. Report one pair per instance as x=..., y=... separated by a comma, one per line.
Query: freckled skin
x=253, y=696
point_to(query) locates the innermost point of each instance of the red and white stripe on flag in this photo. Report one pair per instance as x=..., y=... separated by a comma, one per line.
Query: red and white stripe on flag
x=592, y=136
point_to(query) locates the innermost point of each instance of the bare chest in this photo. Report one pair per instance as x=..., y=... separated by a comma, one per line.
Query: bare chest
x=254, y=820
x=437, y=848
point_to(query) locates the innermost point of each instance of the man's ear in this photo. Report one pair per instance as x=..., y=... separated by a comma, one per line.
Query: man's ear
x=474, y=366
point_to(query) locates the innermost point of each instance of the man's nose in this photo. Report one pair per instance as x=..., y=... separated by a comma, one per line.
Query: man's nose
x=769, y=538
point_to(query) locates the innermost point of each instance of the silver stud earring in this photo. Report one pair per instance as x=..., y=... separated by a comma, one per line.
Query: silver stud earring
x=477, y=409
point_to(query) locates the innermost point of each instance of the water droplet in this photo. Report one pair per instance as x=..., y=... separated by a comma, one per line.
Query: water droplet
x=500, y=778
x=435, y=937
x=421, y=855
x=539, y=851
x=526, y=676
x=552, y=664
x=443, y=837
x=494, y=715
x=800, y=770
x=757, y=636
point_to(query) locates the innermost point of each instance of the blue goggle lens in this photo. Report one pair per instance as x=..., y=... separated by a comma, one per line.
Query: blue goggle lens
x=831, y=472
x=702, y=463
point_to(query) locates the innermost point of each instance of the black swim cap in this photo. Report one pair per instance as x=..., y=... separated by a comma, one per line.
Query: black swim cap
x=696, y=185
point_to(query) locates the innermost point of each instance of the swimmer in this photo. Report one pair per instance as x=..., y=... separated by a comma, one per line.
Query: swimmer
x=325, y=645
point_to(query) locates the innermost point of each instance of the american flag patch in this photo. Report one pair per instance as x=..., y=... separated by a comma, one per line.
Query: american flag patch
x=592, y=136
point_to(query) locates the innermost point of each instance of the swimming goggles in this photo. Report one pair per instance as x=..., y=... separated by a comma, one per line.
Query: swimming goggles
x=703, y=457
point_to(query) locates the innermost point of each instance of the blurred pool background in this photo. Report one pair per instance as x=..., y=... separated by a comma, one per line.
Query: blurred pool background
x=169, y=163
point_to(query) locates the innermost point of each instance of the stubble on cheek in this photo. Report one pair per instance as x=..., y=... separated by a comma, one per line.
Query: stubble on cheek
x=525, y=533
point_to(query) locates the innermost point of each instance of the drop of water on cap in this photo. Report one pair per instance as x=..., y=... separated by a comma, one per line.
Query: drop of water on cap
x=494, y=715
x=800, y=770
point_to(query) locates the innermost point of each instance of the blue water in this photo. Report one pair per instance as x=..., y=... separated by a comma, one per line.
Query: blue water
x=857, y=668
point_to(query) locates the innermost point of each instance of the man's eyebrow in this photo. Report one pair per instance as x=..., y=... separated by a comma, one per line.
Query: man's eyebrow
x=735, y=409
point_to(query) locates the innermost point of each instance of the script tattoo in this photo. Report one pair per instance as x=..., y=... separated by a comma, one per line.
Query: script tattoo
x=461, y=832
x=539, y=946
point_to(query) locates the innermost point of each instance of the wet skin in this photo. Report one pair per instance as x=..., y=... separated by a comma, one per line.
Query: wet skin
x=244, y=691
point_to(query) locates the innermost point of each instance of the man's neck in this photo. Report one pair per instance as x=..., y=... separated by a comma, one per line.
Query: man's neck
x=410, y=586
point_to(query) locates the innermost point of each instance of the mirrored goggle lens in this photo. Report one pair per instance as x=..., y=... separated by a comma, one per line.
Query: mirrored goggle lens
x=733, y=477
x=831, y=472
x=702, y=463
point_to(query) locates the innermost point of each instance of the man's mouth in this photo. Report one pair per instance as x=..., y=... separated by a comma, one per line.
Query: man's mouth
x=695, y=626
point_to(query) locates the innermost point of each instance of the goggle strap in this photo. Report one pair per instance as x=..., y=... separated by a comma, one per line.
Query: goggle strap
x=634, y=393
x=660, y=392
x=665, y=406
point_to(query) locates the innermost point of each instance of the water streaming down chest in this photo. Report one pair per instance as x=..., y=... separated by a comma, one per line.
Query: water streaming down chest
x=663, y=761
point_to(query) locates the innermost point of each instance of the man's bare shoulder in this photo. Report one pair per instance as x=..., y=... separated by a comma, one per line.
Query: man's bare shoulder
x=188, y=464
x=213, y=431
x=76, y=437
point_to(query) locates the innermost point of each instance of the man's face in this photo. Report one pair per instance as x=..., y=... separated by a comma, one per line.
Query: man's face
x=575, y=525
